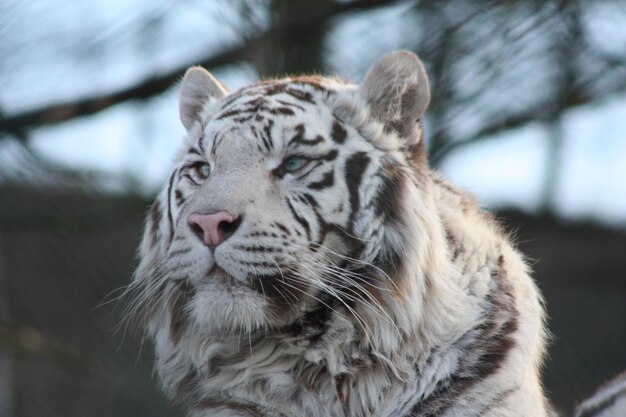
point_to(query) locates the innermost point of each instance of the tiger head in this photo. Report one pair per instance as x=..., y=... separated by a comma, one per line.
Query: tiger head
x=290, y=199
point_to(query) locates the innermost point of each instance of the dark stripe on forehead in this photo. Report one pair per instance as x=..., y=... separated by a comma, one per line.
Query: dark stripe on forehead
x=286, y=103
x=298, y=136
x=230, y=113
x=281, y=111
x=299, y=139
x=242, y=112
x=314, y=82
x=264, y=137
x=312, y=142
x=217, y=140
x=300, y=95
x=338, y=133
x=355, y=167
x=272, y=88
x=267, y=130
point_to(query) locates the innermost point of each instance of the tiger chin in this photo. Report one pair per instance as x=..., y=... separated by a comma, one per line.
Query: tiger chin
x=304, y=260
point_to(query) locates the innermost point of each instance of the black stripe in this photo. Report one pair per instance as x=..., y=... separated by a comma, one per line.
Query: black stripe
x=298, y=136
x=354, y=169
x=338, y=134
x=486, y=353
x=257, y=264
x=316, y=322
x=299, y=139
x=300, y=95
x=274, y=88
x=389, y=198
x=258, y=249
x=313, y=82
x=282, y=228
x=329, y=156
x=310, y=200
x=214, y=145
x=312, y=169
x=281, y=111
x=234, y=112
x=267, y=129
x=328, y=180
x=201, y=144
x=180, y=199
x=180, y=251
x=191, y=179
x=169, y=204
x=301, y=220
x=266, y=143
x=497, y=401
x=286, y=103
x=282, y=290
x=312, y=142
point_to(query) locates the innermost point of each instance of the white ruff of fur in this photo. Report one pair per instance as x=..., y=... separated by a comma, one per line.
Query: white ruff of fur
x=445, y=320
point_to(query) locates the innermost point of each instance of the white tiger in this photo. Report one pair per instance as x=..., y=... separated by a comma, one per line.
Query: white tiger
x=608, y=401
x=304, y=260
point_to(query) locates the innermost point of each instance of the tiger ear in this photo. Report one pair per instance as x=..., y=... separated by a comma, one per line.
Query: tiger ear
x=396, y=90
x=196, y=89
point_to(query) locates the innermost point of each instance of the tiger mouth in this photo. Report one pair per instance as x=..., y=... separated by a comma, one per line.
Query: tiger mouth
x=218, y=274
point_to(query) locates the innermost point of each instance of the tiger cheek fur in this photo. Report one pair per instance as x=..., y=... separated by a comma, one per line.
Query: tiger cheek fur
x=304, y=260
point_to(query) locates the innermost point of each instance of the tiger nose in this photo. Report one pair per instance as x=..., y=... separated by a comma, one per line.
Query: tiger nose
x=213, y=228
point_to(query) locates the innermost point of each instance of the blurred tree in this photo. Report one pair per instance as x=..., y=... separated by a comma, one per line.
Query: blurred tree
x=300, y=52
x=494, y=65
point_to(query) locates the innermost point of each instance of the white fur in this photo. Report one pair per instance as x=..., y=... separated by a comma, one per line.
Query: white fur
x=235, y=348
x=608, y=401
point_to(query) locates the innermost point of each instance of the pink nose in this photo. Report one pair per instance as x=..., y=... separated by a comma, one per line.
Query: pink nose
x=213, y=228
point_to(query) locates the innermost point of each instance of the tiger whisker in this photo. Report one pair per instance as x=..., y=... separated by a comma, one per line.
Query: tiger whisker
x=357, y=294
x=331, y=291
x=341, y=276
x=291, y=305
x=352, y=260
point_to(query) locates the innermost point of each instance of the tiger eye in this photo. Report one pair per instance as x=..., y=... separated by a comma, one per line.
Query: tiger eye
x=294, y=163
x=203, y=169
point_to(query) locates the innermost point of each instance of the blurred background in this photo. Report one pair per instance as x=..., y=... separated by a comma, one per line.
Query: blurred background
x=528, y=112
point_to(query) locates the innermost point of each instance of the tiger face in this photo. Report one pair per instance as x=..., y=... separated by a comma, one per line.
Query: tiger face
x=288, y=196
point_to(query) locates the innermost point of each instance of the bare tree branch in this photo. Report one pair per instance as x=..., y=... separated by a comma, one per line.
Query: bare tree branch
x=542, y=112
x=147, y=88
